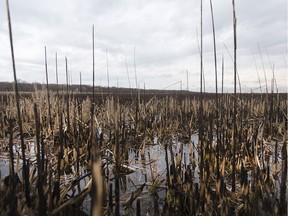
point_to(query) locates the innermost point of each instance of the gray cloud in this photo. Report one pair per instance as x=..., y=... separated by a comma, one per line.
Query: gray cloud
x=163, y=32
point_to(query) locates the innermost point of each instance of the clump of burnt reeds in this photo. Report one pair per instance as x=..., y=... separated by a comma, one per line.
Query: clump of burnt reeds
x=217, y=159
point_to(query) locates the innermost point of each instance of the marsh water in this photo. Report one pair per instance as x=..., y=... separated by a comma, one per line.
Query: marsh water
x=147, y=164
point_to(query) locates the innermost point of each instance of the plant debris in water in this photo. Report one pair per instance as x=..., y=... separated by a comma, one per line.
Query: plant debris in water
x=156, y=161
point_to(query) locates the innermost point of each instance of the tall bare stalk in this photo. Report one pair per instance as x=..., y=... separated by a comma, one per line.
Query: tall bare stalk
x=25, y=169
x=235, y=99
x=257, y=73
x=203, y=72
x=216, y=93
x=272, y=69
x=97, y=187
x=263, y=68
x=47, y=88
x=222, y=114
x=127, y=72
x=117, y=167
x=222, y=87
x=56, y=67
x=136, y=84
x=13, y=203
x=187, y=81
x=201, y=96
x=91, y=142
x=40, y=163
x=67, y=94
x=239, y=81
x=80, y=80
x=107, y=69
x=93, y=66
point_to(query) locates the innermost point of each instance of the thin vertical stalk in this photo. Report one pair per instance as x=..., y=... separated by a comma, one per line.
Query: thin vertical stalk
x=47, y=88
x=43, y=152
x=93, y=66
x=71, y=84
x=91, y=142
x=222, y=87
x=107, y=70
x=257, y=73
x=235, y=99
x=97, y=187
x=187, y=84
x=199, y=49
x=201, y=96
x=80, y=103
x=269, y=60
x=11, y=153
x=135, y=67
x=271, y=111
x=222, y=110
x=239, y=81
x=127, y=72
x=57, y=82
x=60, y=165
x=40, y=183
x=25, y=173
x=67, y=94
x=13, y=203
x=263, y=68
x=216, y=93
x=80, y=79
x=117, y=157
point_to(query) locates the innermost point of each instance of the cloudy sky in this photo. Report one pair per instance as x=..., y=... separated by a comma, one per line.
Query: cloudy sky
x=164, y=35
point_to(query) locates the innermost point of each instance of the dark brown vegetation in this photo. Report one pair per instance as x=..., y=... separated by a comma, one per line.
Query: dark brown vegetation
x=123, y=94
x=60, y=158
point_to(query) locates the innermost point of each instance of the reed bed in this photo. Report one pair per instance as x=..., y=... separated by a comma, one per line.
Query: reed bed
x=73, y=154
x=148, y=151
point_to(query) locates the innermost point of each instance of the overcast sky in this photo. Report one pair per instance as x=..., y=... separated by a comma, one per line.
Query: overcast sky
x=163, y=34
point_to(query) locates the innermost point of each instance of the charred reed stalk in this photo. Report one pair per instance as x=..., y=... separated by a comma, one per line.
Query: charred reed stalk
x=97, y=187
x=13, y=201
x=136, y=83
x=57, y=82
x=128, y=77
x=67, y=95
x=216, y=93
x=201, y=97
x=107, y=70
x=222, y=87
x=117, y=183
x=16, y=92
x=264, y=71
x=235, y=100
x=41, y=180
x=48, y=94
x=93, y=66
